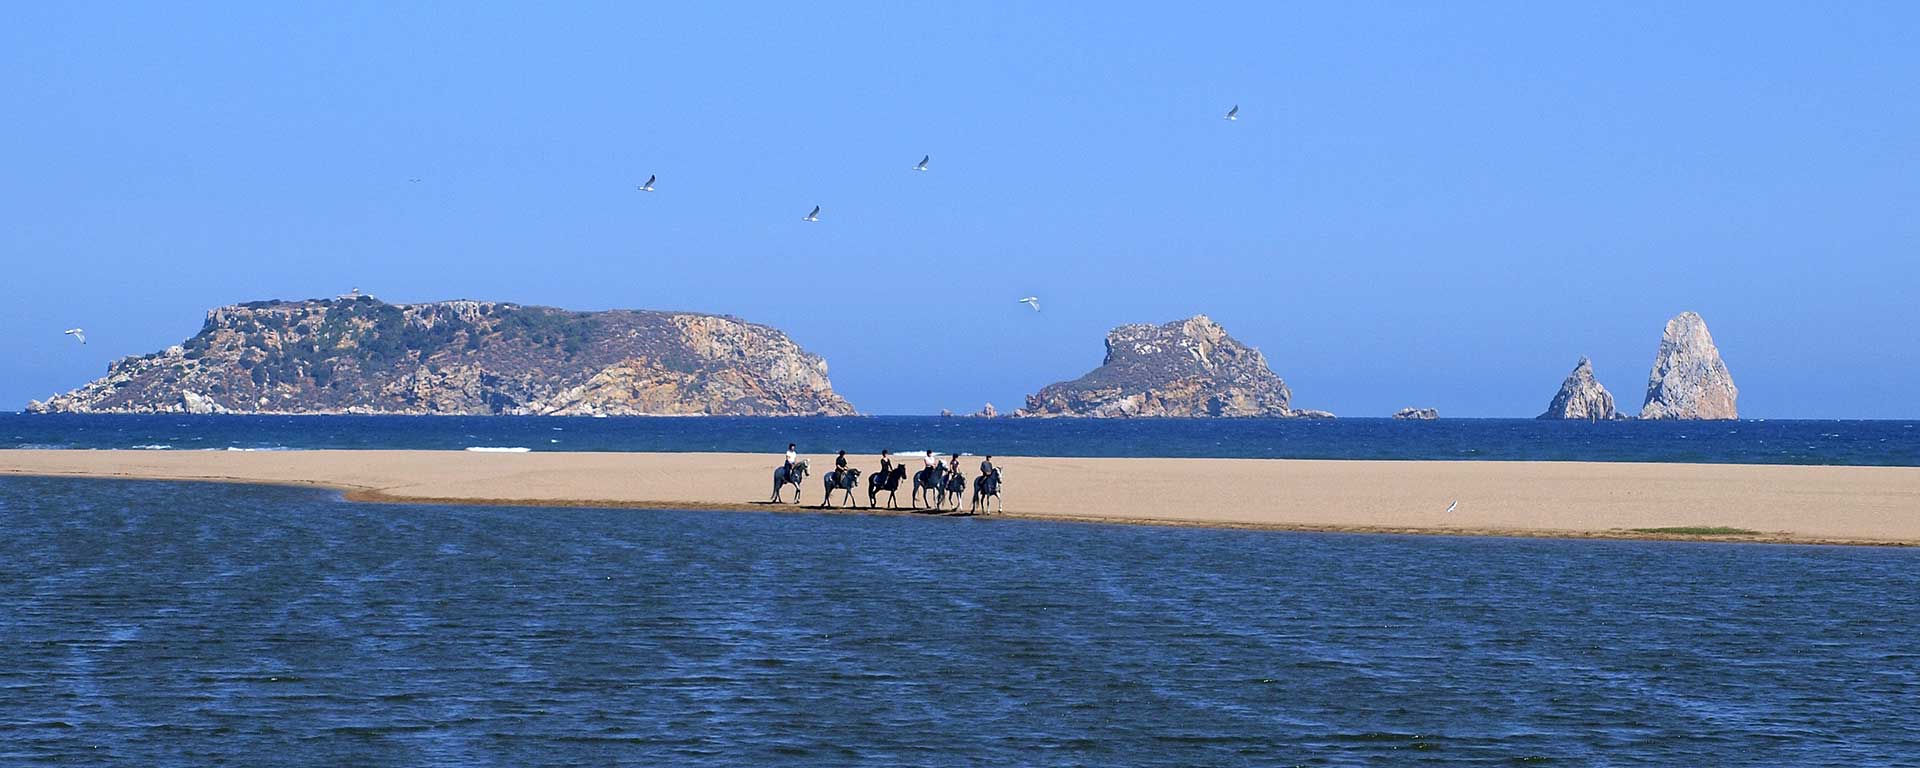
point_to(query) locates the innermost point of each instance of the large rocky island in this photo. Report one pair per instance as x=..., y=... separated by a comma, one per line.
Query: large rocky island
x=356, y=354
x=1184, y=368
x=1581, y=397
x=1689, y=380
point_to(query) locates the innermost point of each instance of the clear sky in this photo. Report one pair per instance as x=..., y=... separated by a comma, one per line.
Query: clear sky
x=1431, y=204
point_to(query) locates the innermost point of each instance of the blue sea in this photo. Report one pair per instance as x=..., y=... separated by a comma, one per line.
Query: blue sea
x=165, y=624
x=176, y=624
x=1880, y=443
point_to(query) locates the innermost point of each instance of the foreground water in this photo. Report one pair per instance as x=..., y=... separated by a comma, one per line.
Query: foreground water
x=1885, y=443
x=161, y=624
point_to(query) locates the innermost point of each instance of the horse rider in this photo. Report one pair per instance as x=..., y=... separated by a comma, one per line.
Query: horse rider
x=953, y=465
x=792, y=455
x=886, y=462
x=933, y=460
x=839, y=467
x=986, y=466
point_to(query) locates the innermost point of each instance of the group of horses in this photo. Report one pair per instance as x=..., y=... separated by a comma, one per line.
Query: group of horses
x=938, y=485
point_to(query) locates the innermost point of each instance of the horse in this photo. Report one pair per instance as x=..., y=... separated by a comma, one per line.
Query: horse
x=783, y=478
x=928, y=481
x=889, y=482
x=840, y=480
x=986, y=491
x=954, y=486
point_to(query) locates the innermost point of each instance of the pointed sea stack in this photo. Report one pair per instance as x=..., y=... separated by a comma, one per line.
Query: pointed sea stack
x=1184, y=368
x=1689, y=381
x=1581, y=397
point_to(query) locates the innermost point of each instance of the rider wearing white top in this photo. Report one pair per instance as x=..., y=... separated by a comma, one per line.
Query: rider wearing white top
x=791, y=455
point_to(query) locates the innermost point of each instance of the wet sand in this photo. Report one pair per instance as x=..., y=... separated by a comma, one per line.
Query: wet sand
x=1852, y=505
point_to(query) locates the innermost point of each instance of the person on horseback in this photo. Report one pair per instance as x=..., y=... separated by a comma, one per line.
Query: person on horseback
x=886, y=461
x=932, y=460
x=839, y=467
x=791, y=456
x=986, y=466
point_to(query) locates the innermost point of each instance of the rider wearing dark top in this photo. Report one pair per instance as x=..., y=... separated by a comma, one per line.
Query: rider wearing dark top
x=886, y=462
x=986, y=466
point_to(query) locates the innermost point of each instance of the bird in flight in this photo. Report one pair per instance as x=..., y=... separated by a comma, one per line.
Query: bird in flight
x=922, y=165
x=414, y=180
x=1233, y=114
x=1452, y=505
x=814, y=216
x=647, y=187
x=78, y=334
x=1032, y=301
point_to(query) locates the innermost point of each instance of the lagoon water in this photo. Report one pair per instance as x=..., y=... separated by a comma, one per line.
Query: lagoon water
x=1882, y=443
x=167, y=624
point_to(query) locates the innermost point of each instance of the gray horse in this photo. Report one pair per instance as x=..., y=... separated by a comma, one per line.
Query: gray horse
x=840, y=480
x=782, y=478
x=927, y=481
x=986, y=491
x=953, y=486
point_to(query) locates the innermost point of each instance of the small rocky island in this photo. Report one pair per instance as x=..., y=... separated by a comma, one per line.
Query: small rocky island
x=1184, y=368
x=1417, y=414
x=1689, y=380
x=1581, y=397
x=356, y=354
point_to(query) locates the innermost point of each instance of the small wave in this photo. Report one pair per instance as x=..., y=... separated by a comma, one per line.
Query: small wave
x=495, y=449
x=153, y=447
x=261, y=448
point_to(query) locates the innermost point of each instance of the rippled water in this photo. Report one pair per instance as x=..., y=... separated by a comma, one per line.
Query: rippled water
x=1883, y=443
x=161, y=624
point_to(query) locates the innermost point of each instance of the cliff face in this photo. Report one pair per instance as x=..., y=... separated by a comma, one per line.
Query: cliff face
x=1184, y=368
x=1581, y=397
x=361, y=355
x=1689, y=381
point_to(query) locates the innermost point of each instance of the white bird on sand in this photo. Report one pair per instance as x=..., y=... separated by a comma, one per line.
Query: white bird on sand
x=77, y=334
x=814, y=216
x=647, y=187
x=1032, y=301
x=1452, y=505
x=1233, y=114
x=922, y=165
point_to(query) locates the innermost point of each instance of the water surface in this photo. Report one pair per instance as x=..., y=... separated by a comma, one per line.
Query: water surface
x=165, y=624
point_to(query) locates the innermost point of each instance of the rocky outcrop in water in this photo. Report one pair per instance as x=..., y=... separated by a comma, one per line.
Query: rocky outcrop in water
x=1689, y=380
x=1581, y=397
x=1184, y=368
x=356, y=354
x=1416, y=414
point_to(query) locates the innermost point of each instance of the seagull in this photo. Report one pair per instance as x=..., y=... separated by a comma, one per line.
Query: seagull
x=78, y=334
x=922, y=165
x=1234, y=114
x=1032, y=301
x=647, y=187
x=1452, y=505
x=414, y=180
x=814, y=216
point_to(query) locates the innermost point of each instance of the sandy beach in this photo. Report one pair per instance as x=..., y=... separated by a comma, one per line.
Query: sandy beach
x=1858, y=505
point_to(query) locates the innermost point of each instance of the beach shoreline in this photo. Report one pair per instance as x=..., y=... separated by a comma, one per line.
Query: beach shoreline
x=1574, y=500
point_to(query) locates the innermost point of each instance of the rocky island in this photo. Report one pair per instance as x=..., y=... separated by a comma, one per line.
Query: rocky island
x=1581, y=397
x=1689, y=380
x=356, y=354
x=1416, y=414
x=1184, y=368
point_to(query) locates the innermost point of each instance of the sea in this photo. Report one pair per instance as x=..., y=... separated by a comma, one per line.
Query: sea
x=183, y=624
x=1872, y=443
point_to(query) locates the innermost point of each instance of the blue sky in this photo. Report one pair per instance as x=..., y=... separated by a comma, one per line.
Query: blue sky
x=1423, y=204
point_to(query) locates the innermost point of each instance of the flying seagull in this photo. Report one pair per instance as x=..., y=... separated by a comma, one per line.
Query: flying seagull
x=814, y=216
x=1032, y=301
x=77, y=334
x=1234, y=114
x=414, y=180
x=647, y=187
x=922, y=165
x=1452, y=505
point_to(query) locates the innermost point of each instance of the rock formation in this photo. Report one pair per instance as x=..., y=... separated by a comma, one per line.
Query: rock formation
x=1689, y=381
x=1416, y=414
x=1581, y=397
x=1184, y=368
x=356, y=354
